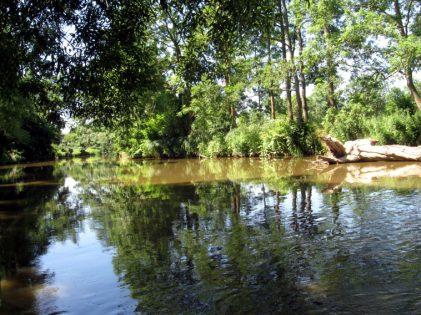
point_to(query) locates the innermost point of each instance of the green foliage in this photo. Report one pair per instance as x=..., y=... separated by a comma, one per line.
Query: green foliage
x=86, y=140
x=366, y=90
x=42, y=135
x=348, y=123
x=245, y=140
x=398, y=123
x=317, y=104
x=282, y=137
x=147, y=149
x=17, y=107
x=210, y=115
x=24, y=134
x=217, y=147
x=400, y=127
x=259, y=136
x=158, y=132
x=397, y=99
x=32, y=55
x=198, y=78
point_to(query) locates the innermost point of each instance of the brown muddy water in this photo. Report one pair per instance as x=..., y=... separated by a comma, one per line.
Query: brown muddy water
x=219, y=236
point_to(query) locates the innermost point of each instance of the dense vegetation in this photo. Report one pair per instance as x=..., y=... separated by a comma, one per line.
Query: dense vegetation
x=205, y=78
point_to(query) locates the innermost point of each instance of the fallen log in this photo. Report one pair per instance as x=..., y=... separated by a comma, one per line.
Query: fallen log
x=366, y=150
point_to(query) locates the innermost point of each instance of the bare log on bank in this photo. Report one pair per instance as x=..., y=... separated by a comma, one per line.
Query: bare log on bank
x=366, y=150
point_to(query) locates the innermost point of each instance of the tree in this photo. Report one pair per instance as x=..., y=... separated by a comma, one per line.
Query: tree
x=33, y=60
x=400, y=25
x=326, y=27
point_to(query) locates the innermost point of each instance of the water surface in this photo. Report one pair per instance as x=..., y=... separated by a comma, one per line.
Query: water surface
x=210, y=236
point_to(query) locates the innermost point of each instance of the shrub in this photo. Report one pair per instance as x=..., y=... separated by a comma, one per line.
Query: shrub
x=348, y=123
x=217, y=147
x=147, y=149
x=211, y=117
x=400, y=124
x=245, y=140
x=86, y=140
x=397, y=100
x=399, y=127
x=282, y=137
x=277, y=138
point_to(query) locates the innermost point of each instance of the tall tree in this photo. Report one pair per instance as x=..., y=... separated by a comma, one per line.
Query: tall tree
x=400, y=26
x=284, y=47
x=300, y=18
x=326, y=22
x=33, y=62
x=117, y=64
x=289, y=31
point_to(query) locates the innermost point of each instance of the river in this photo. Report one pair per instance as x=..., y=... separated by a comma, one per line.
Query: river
x=223, y=236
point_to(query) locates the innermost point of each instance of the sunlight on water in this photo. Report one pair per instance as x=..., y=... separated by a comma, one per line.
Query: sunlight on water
x=206, y=236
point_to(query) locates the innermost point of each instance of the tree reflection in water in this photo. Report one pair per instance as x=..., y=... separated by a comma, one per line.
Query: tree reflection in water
x=244, y=244
x=35, y=211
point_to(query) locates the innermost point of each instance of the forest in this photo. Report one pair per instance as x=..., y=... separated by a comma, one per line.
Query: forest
x=208, y=78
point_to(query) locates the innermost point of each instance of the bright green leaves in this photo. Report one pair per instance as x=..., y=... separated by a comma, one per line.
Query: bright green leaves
x=406, y=54
x=346, y=124
x=210, y=112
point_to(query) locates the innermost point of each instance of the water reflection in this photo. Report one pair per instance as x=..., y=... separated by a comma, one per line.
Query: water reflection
x=35, y=211
x=226, y=236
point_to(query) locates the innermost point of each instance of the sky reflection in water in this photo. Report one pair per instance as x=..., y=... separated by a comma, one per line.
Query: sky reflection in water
x=226, y=236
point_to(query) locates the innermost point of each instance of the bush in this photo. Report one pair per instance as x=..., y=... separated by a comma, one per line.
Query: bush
x=397, y=100
x=282, y=137
x=85, y=140
x=277, y=138
x=245, y=140
x=147, y=149
x=399, y=127
x=399, y=124
x=211, y=119
x=217, y=147
x=349, y=123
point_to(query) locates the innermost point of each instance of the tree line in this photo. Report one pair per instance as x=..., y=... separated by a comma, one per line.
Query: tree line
x=207, y=77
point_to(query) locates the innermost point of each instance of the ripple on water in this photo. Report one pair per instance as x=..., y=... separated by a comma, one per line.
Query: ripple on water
x=229, y=236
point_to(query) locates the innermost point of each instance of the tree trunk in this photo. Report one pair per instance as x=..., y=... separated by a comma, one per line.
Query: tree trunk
x=284, y=57
x=298, y=98
x=290, y=58
x=271, y=96
x=408, y=72
x=233, y=114
x=412, y=88
x=259, y=97
x=398, y=18
x=232, y=111
x=331, y=100
x=366, y=150
x=290, y=112
x=272, y=105
x=303, y=93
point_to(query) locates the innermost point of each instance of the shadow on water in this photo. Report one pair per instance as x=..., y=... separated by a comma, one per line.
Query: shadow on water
x=214, y=236
x=33, y=214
